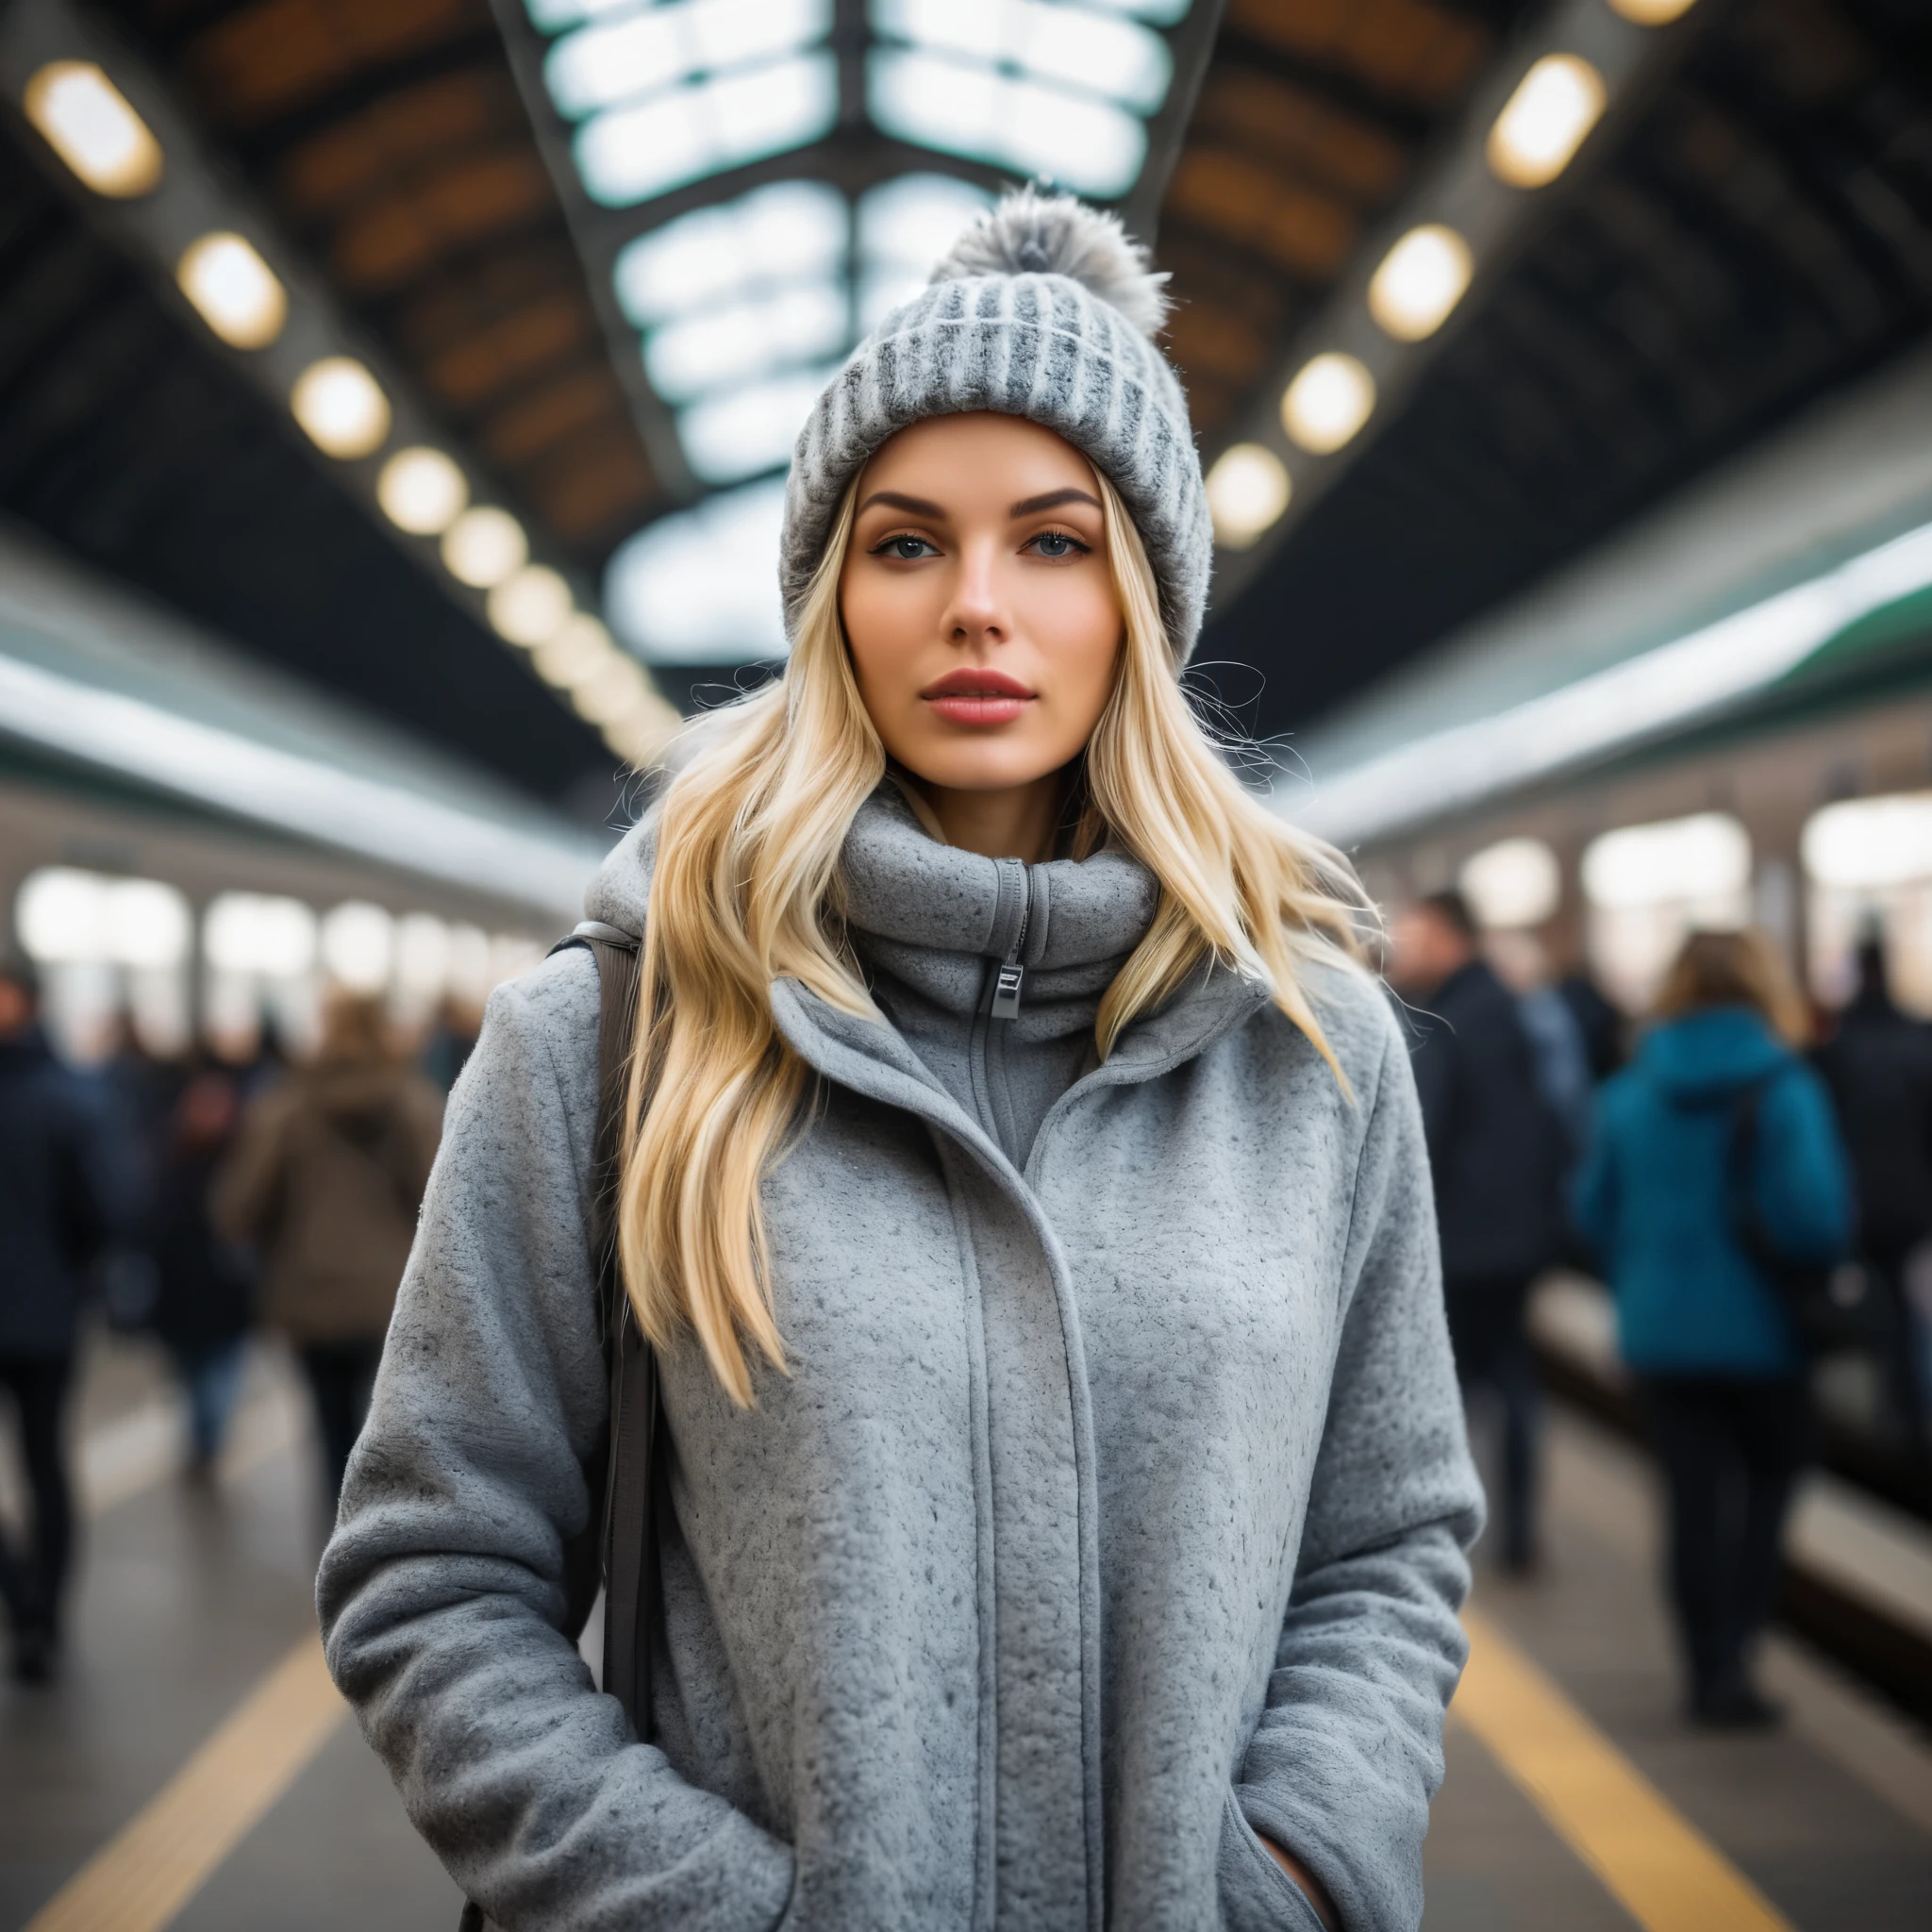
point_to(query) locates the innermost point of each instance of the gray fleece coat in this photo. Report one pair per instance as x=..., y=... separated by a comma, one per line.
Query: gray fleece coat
x=1111, y=1512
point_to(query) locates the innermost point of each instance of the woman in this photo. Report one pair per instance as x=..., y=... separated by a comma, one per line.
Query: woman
x=324, y=1183
x=1717, y=1143
x=1025, y=1195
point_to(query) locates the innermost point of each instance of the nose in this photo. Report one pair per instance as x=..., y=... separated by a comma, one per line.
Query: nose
x=975, y=612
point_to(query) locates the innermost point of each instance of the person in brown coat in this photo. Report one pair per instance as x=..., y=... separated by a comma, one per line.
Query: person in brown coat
x=324, y=1183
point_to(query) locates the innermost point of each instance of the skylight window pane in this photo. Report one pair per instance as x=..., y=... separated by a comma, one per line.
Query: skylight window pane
x=697, y=586
x=751, y=339
x=627, y=155
x=553, y=16
x=599, y=66
x=1077, y=141
x=1094, y=52
x=736, y=435
x=790, y=231
x=905, y=226
x=1161, y=12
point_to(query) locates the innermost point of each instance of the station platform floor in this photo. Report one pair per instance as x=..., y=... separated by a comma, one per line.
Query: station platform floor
x=193, y=1768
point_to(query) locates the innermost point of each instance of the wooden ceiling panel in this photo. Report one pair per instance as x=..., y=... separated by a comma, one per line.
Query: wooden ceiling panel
x=1300, y=134
x=361, y=155
x=1308, y=232
x=594, y=489
x=508, y=351
x=392, y=240
x=269, y=58
x=538, y=421
x=1409, y=49
x=1207, y=341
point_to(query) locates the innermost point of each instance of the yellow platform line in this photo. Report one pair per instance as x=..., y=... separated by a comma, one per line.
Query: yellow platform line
x=1665, y=1874
x=143, y=1877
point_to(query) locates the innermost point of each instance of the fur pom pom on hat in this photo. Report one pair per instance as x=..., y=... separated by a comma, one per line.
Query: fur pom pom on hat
x=1044, y=308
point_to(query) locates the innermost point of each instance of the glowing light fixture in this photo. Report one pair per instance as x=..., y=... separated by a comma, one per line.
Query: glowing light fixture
x=1704, y=856
x=577, y=650
x=1871, y=844
x=1651, y=12
x=88, y=122
x=1328, y=402
x=1544, y=122
x=616, y=687
x=483, y=546
x=249, y=932
x=1248, y=489
x=237, y=293
x=358, y=946
x=1512, y=884
x=530, y=604
x=1421, y=279
x=422, y=491
x=341, y=406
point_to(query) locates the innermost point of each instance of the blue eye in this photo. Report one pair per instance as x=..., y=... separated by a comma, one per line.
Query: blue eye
x=1057, y=543
x=906, y=549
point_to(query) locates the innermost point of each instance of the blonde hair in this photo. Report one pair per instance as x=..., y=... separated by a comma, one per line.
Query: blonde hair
x=747, y=891
x=1735, y=969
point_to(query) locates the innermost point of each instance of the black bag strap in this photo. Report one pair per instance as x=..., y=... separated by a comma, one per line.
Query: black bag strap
x=624, y=1510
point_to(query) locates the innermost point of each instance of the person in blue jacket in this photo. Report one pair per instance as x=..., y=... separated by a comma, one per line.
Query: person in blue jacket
x=1702, y=1325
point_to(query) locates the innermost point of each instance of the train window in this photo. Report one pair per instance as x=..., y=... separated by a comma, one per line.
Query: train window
x=108, y=947
x=1513, y=884
x=1868, y=862
x=358, y=946
x=1648, y=886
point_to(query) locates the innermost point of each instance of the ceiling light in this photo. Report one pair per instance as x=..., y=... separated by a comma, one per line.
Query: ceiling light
x=422, y=491
x=616, y=687
x=88, y=122
x=1651, y=12
x=639, y=734
x=484, y=546
x=530, y=604
x=1543, y=123
x=236, y=292
x=244, y=932
x=1870, y=844
x=340, y=406
x=1328, y=402
x=1248, y=489
x=1421, y=279
x=581, y=649
x=1707, y=855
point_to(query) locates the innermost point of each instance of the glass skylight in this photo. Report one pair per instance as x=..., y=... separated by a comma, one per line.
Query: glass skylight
x=739, y=430
x=1074, y=46
x=643, y=52
x=792, y=231
x=727, y=346
x=627, y=155
x=905, y=226
x=701, y=586
x=1075, y=141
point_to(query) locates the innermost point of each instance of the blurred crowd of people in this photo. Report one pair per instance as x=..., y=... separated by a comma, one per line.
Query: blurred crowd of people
x=1752, y=1180
x=199, y=1202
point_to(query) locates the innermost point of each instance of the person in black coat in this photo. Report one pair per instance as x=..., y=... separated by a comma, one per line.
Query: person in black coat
x=1878, y=1066
x=1497, y=1153
x=205, y=1286
x=56, y=1213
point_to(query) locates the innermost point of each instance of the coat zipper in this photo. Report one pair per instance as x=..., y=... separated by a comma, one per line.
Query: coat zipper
x=1010, y=977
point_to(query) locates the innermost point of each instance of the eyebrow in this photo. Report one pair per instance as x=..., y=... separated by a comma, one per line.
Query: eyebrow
x=1052, y=500
x=913, y=505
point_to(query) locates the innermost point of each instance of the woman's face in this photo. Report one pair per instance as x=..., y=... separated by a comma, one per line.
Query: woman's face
x=978, y=602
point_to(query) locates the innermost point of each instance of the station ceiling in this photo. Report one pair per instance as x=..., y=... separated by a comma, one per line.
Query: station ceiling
x=485, y=200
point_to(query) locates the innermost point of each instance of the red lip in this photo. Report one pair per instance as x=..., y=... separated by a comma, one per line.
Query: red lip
x=970, y=681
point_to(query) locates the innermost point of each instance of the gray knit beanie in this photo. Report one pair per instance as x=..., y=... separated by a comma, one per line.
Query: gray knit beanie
x=1043, y=309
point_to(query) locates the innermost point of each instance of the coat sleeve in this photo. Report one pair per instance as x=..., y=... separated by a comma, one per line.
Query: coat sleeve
x=1594, y=1193
x=1804, y=1190
x=1348, y=1750
x=443, y=1591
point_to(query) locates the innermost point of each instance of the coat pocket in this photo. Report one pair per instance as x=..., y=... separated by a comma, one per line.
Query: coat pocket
x=1257, y=1896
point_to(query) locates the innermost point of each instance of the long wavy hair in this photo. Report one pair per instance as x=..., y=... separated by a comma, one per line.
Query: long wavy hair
x=746, y=890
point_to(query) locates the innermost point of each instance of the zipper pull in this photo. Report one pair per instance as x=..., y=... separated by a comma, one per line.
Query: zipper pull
x=1007, y=981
